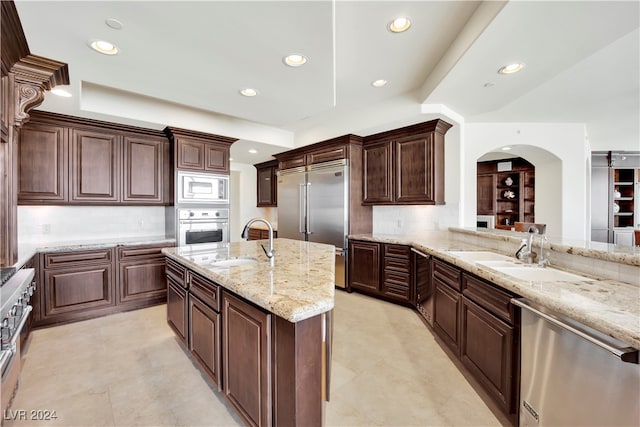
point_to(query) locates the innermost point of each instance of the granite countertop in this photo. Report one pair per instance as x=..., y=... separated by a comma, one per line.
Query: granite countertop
x=299, y=284
x=609, y=306
x=29, y=249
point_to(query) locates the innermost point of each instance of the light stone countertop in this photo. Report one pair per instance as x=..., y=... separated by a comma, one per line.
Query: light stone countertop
x=299, y=284
x=609, y=306
x=29, y=249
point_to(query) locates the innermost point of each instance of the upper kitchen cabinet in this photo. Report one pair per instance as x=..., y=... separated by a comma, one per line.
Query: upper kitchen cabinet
x=405, y=166
x=70, y=160
x=266, y=183
x=506, y=191
x=202, y=152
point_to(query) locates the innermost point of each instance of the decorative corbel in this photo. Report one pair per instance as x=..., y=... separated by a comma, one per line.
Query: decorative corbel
x=33, y=76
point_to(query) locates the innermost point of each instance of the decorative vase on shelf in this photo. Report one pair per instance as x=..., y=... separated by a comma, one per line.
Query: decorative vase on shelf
x=616, y=208
x=616, y=194
x=508, y=182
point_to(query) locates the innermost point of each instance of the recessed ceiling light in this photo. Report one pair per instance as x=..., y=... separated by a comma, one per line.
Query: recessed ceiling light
x=399, y=25
x=248, y=92
x=378, y=83
x=61, y=92
x=507, y=148
x=511, y=68
x=295, y=60
x=103, y=47
x=253, y=151
x=113, y=23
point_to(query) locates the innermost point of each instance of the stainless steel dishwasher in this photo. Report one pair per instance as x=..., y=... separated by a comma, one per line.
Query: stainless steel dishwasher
x=572, y=375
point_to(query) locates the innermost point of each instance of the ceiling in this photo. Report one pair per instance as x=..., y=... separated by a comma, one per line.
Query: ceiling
x=581, y=60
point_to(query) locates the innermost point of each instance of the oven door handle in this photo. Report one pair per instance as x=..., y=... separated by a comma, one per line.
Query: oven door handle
x=5, y=357
x=16, y=333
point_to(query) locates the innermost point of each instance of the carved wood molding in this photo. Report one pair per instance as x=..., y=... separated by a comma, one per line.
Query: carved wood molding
x=33, y=76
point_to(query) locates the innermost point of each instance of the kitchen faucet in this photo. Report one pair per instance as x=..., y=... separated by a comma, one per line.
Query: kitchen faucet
x=245, y=235
x=525, y=251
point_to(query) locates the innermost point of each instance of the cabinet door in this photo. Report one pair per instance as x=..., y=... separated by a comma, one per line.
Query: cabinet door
x=95, y=166
x=143, y=170
x=177, y=309
x=190, y=154
x=42, y=163
x=486, y=194
x=204, y=339
x=414, y=170
x=486, y=347
x=143, y=282
x=446, y=315
x=216, y=158
x=72, y=290
x=364, y=266
x=246, y=347
x=266, y=180
x=377, y=173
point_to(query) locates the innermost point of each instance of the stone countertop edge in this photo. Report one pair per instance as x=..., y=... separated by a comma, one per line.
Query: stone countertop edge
x=609, y=306
x=28, y=250
x=300, y=286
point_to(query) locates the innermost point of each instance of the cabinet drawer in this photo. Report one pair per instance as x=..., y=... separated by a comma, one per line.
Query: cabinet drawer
x=255, y=234
x=447, y=274
x=206, y=290
x=325, y=156
x=125, y=253
x=398, y=278
x=397, y=251
x=487, y=296
x=177, y=272
x=65, y=259
x=400, y=265
x=293, y=162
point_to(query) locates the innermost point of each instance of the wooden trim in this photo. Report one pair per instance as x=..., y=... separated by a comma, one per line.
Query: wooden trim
x=438, y=126
x=173, y=132
x=14, y=42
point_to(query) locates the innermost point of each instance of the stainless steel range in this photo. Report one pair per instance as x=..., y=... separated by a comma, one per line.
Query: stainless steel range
x=15, y=296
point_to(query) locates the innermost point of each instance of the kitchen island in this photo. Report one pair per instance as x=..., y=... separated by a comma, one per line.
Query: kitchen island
x=258, y=328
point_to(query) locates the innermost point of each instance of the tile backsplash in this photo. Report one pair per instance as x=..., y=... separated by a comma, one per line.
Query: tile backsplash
x=414, y=219
x=46, y=224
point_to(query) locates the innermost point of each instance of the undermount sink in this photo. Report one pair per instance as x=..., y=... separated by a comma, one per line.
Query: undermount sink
x=538, y=274
x=477, y=256
x=231, y=262
x=506, y=263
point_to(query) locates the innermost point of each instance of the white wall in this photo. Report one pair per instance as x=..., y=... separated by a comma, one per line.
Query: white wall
x=49, y=224
x=567, y=188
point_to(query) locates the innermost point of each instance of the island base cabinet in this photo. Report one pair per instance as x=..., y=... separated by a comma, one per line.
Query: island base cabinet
x=446, y=319
x=487, y=351
x=204, y=339
x=176, y=308
x=247, y=360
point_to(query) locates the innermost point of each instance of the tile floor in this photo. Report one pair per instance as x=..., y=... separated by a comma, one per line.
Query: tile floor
x=128, y=370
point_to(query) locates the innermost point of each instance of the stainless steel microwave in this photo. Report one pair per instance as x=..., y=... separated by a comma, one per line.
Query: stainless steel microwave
x=202, y=188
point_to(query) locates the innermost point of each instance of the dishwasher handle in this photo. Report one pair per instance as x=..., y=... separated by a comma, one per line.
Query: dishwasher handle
x=626, y=354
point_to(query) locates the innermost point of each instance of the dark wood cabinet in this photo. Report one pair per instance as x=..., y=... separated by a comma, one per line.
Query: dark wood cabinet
x=382, y=270
x=260, y=234
x=95, y=166
x=76, y=285
x=267, y=184
x=43, y=163
x=142, y=279
x=177, y=308
x=447, y=303
x=247, y=360
x=143, y=174
x=506, y=190
x=201, y=152
x=69, y=160
x=204, y=339
x=405, y=166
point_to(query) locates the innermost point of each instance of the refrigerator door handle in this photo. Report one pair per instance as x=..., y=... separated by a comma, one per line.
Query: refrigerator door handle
x=303, y=211
x=308, y=206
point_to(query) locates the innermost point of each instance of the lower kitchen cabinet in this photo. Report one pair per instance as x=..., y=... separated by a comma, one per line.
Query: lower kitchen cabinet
x=204, y=339
x=446, y=316
x=141, y=280
x=177, y=308
x=247, y=357
x=382, y=270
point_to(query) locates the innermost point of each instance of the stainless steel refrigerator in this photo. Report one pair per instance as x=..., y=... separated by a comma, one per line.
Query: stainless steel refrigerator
x=313, y=206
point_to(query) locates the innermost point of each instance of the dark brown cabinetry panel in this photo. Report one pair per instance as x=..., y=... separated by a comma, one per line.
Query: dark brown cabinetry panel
x=377, y=173
x=43, y=163
x=190, y=154
x=216, y=158
x=142, y=280
x=199, y=151
x=364, y=266
x=205, y=290
x=486, y=194
x=177, y=308
x=260, y=234
x=247, y=360
x=446, y=315
x=267, y=184
x=143, y=170
x=487, y=351
x=204, y=339
x=414, y=167
x=95, y=166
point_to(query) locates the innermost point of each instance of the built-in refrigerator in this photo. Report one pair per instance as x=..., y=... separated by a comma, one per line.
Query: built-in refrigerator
x=313, y=205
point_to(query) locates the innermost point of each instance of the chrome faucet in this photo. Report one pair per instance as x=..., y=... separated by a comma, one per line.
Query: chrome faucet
x=245, y=234
x=525, y=251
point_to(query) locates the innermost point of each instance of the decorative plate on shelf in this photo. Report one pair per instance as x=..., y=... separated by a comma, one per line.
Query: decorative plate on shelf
x=509, y=194
x=508, y=182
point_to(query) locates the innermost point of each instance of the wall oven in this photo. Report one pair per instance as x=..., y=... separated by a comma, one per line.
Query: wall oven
x=202, y=226
x=15, y=295
x=202, y=188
